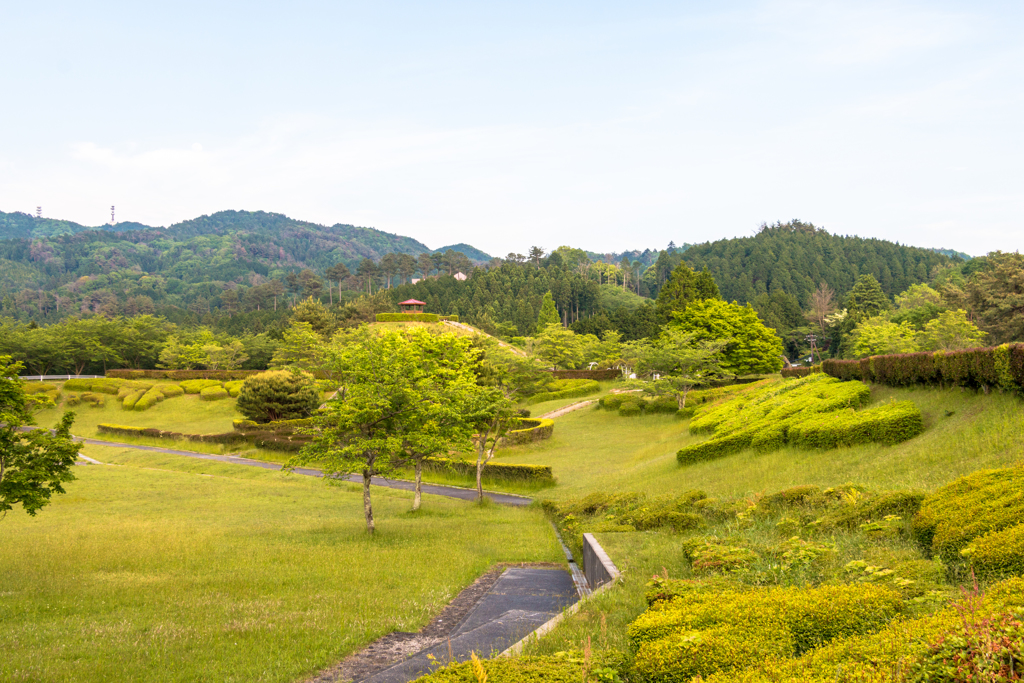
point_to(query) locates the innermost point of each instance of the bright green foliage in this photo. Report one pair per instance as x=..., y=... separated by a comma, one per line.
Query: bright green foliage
x=566, y=388
x=195, y=386
x=716, y=629
x=233, y=388
x=559, y=346
x=548, y=312
x=131, y=398
x=749, y=346
x=302, y=348
x=149, y=399
x=878, y=335
x=34, y=465
x=214, y=394
x=685, y=287
x=802, y=411
x=888, y=423
x=676, y=361
x=278, y=395
x=976, y=515
x=951, y=331
x=311, y=311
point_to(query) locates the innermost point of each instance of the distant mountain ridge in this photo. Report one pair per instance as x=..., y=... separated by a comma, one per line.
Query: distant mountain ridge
x=470, y=251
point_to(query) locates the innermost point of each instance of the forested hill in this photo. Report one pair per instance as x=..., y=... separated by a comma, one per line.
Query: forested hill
x=470, y=251
x=18, y=225
x=796, y=257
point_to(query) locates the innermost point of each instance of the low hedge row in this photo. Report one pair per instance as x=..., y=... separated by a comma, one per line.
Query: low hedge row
x=977, y=638
x=181, y=374
x=974, y=521
x=492, y=470
x=93, y=399
x=997, y=367
x=268, y=440
x=606, y=374
x=717, y=629
x=816, y=412
x=532, y=429
x=790, y=373
x=569, y=388
x=278, y=426
x=408, y=318
x=636, y=404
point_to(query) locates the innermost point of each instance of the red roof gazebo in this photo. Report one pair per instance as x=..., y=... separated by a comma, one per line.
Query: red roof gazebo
x=412, y=306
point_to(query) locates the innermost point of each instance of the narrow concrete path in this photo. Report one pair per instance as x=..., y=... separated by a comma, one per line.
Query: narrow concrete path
x=401, y=484
x=522, y=600
x=567, y=409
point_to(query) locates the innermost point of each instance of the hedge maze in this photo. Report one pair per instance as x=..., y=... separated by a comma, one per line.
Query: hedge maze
x=816, y=411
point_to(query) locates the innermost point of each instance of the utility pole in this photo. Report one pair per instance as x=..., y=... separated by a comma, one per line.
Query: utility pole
x=112, y=216
x=39, y=212
x=813, y=340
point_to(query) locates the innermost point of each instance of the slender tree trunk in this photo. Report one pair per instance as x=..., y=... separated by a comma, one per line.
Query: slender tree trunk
x=367, y=506
x=330, y=291
x=419, y=481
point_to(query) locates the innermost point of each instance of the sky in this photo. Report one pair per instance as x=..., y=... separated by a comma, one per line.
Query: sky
x=606, y=126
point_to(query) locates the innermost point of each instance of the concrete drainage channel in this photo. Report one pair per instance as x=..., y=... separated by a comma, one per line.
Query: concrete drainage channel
x=524, y=603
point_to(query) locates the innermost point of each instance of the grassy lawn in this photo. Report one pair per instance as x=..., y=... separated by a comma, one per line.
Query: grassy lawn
x=162, y=568
x=596, y=450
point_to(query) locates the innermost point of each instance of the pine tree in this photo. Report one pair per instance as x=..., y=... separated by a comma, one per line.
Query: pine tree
x=548, y=312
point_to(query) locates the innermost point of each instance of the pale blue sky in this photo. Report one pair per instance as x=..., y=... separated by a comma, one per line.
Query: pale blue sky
x=601, y=125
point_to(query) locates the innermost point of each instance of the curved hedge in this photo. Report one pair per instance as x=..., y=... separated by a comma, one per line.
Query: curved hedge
x=567, y=388
x=817, y=411
x=196, y=386
x=996, y=367
x=974, y=520
x=534, y=429
x=214, y=394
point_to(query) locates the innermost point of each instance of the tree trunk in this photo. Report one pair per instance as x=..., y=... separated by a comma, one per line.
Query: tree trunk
x=367, y=507
x=419, y=481
x=330, y=292
x=480, y=477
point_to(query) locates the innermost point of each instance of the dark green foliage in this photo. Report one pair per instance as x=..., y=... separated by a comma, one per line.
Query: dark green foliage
x=278, y=395
x=566, y=388
x=795, y=257
x=684, y=287
x=800, y=372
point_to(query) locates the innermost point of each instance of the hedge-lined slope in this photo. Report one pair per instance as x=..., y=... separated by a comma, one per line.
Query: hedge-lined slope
x=816, y=411
x=998, y=367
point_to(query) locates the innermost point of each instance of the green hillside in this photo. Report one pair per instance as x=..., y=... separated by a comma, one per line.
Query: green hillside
x=472, y=252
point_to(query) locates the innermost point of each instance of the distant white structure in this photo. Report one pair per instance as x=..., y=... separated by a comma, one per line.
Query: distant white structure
x=415, y=280
x=460, y=276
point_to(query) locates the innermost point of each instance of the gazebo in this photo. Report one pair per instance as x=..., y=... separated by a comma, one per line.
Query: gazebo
x=412, y=306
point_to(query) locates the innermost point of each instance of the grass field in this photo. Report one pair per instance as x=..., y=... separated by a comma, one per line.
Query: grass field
x=596, y=450
x=162, y=568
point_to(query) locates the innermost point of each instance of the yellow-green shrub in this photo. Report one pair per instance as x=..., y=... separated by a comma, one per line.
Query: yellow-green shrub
x=149, y=399
x=679, y=657
x=890, y=423
x=214, y=393
x=234, y=387
x=196, y=386
x=170, y=390
x=565, y=667
x=997, y=552
x=981, y=503
x=129, y=401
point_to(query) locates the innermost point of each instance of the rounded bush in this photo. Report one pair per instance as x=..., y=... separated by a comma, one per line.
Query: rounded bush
x=278, y=395
x=214, y=394
x=129, y=401
x=169, y=390
x=195, y=386
x=629, y=408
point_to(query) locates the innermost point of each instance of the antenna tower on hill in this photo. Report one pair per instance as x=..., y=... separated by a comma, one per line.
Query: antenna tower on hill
x=112, y=215
x=39, y=212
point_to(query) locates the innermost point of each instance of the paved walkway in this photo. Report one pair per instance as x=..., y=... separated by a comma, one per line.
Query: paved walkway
x=401, y=484
x=522, y=600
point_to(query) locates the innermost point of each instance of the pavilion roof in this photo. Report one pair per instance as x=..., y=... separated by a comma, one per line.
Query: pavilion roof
x=412, y=302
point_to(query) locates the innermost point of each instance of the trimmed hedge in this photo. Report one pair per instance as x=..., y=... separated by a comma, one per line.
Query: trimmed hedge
x=889, y=423
x=534, y=429
x=214, y=394
x=408, y=318
x=790, y=373
x=181, y=374
x=968, y=520
x=815, y=411
x=609, y=373
x=996, y=367
x=492, y=470
x=126, y=430
x=278, y=426
x=569, y=388
x=712, y=629
x=196, y=386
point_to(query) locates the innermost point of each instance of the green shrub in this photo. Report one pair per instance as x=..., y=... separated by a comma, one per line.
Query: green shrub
x=791, y=373
x=149, y=399
x=662, y=404
x=129, y=401
x=679, y=657
x=234, y=387
x=214, y=394
x=904, y=504
x=566, y=667
x=612, y=401
x=978, y=506
x=788, y=498
x=492, y=470
x=571, y=388
x=278, y=395
x=169, y=390
x=408, y=318
x=890, y=423
x=714, y=448
x=72, y=399
x=277, y=426
x=95, y=400
x=32, y=388
x=532, y=429
x=196, y=386
x=629, y=408
x=997, y=553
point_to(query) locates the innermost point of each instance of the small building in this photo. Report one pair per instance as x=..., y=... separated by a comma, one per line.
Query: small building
x=411, y=306
x=460, y=276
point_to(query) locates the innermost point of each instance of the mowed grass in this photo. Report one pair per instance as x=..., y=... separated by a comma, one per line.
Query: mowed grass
x=596, y=450
x=163, y=568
